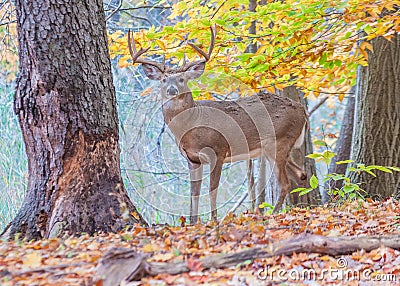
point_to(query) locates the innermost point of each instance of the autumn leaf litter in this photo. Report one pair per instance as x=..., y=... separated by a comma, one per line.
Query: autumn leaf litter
x=73, y=261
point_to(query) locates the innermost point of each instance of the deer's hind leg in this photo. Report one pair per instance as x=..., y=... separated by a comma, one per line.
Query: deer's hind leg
x=215, y=177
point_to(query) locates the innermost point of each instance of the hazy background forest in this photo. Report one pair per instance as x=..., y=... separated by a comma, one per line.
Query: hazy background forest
x=154, y=172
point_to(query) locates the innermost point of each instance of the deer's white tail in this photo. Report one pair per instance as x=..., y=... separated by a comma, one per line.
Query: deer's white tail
x=300, y=140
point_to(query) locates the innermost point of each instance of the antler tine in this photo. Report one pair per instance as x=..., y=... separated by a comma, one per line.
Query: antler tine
x=210, y=49
x=212, y=41
x=136, y=54
x=201, y=52
x=184, y=59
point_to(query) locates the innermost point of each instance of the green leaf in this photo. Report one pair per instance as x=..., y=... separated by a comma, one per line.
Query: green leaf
x=244, y=56
x=327, y=156
x=394, y=169
x=266, y=205
x=344, y=162
x=338, y=177
x=370, y=172
x=323, y=59
x=349, y=188
x=297, y=190
x=305, y=192
x=319, y=143
x=220, y=22
x=337, y=63
x=314, y=182
x=314, y=156
x=175, y=251
x=205, y=22
x=381, y=168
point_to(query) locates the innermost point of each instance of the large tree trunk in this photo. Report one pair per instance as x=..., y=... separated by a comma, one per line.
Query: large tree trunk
x=376, y=136
x=66, y=105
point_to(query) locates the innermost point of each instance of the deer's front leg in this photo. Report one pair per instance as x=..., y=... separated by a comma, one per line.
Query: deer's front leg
x=214, y=182
x=283, y=179
x=196, y=175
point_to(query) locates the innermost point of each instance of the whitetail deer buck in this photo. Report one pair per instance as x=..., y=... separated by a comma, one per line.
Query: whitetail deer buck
x=218, y=132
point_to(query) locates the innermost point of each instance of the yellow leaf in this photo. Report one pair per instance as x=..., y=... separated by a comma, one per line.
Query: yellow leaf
x=33, y=259
x=364, y=53
x=161, y=45
x=270, y=89
x=366, y=45
x=150, y=248
x=83, y=255
x=135, y=214
x=388, y=37
x=163, y=256
x=341, y=96
x=145, y=92
x=123, y=64
x=179, y=37
x=123, y=61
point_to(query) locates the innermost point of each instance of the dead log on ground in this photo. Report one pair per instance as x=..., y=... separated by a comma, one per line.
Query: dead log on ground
x=125, y=265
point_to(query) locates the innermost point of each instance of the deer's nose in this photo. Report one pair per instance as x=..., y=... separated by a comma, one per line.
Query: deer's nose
x=172, y=91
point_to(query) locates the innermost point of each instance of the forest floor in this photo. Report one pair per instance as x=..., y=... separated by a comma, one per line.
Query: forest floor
x=73, y=261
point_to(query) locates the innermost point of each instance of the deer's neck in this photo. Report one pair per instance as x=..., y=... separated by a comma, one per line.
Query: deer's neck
x=172, y=107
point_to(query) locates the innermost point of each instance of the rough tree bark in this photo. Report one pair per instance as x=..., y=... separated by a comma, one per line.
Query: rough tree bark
x=66, y=106
x=376, y=136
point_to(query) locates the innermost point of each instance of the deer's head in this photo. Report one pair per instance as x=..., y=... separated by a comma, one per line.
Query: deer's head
x=173, y=81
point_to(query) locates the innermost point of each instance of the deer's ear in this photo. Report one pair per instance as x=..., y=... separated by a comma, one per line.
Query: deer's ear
x=152, y=72
x=196, y=70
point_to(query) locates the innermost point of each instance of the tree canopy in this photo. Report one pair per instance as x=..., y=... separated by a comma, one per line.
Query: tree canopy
x=314, y=45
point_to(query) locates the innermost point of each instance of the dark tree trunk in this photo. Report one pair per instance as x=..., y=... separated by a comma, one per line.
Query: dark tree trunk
x=66, y=105
x=343, y=145
x=376, y=137
x=252, y=48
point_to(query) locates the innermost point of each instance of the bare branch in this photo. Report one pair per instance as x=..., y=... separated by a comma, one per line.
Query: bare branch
x=322, y=101
x=115, y=10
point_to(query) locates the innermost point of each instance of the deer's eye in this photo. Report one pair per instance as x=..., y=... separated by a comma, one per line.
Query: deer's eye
x=181, y=80
x=164, y=80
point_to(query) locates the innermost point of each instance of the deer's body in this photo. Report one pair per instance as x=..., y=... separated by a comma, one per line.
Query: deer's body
x=199, y=128
x=218, y=132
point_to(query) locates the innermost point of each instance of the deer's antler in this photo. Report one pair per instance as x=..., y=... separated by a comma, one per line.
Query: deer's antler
x=201, y=52
x=136, y=54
